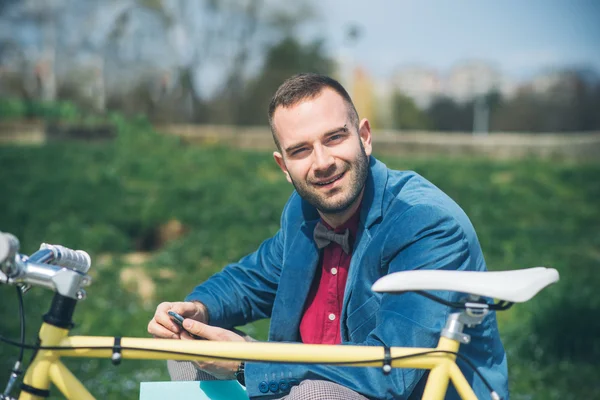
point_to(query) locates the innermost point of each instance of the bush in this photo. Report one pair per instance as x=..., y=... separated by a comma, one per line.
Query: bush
x=12, y=109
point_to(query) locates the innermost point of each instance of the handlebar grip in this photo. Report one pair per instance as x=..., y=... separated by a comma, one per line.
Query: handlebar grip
x=78, y=260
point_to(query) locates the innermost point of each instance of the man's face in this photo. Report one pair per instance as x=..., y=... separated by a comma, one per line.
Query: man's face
x=322, y=154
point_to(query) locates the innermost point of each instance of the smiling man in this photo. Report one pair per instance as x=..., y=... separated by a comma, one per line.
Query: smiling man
x=350, y=221
x=323, y=149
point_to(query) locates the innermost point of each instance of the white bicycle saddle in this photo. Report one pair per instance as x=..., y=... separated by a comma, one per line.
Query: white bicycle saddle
x=515, y=286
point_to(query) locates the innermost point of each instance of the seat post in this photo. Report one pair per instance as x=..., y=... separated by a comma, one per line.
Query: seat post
x=473, y=314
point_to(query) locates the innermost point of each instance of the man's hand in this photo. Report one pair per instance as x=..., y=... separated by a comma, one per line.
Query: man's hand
x=218, y=369
x=162, y=326
x=196, y=317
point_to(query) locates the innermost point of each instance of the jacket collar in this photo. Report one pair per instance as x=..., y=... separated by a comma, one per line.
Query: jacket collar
x=372, y=203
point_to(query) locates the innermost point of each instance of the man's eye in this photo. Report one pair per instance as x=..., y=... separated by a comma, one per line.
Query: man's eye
x=298, y=152
x=334, y=138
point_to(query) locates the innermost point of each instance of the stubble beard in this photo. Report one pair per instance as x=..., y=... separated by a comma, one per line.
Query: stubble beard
x=360, y=168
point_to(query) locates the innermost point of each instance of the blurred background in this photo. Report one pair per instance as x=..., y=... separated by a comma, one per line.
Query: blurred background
x=137, y=130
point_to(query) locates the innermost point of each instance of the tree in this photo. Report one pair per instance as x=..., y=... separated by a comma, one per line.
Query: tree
x=446, y=114
x=406, y=115
x=570, y=104
x=154, y=54
x=284, y=59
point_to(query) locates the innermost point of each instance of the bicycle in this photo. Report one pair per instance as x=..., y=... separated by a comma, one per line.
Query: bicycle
x=65, y=272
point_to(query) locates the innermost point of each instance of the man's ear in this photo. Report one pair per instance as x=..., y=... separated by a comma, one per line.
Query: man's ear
x=364, y=132
x=279, y=160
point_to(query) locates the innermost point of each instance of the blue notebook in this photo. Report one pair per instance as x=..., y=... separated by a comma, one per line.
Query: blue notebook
x=204, y=390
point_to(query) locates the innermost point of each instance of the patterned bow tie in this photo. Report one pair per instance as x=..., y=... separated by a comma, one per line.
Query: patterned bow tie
x=324, y=236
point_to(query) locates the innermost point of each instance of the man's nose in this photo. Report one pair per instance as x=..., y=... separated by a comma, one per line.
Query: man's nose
x=323, y=159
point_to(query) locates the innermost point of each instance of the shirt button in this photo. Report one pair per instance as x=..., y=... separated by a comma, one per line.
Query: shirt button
x=331, y=316
x=274, y=386
x=333, y=271
x=284, y=385
x=263, y=387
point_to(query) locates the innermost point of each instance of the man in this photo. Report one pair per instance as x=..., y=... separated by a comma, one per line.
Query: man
x=317, y=290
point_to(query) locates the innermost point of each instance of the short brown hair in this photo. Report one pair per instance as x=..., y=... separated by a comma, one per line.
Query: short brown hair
x=306, y=86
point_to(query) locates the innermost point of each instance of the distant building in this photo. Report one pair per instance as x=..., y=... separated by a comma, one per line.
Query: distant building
x=472, y=79
x=462, y=83
x=419, y=83
x=555, y=82
x=560, y=85
x=545, y=82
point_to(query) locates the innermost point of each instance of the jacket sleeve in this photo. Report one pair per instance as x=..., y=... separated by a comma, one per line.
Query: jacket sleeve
x=244, y=291
x=423, y=237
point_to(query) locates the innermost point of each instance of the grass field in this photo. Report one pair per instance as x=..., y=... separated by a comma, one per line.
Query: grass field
x=111, y=199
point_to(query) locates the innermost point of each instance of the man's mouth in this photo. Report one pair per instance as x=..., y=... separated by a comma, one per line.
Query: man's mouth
x=331, y=180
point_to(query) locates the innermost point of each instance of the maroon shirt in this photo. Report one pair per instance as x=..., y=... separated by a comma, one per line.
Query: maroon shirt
x=320, y=322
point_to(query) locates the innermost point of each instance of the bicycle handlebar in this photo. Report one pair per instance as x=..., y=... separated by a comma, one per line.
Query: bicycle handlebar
x=54, y=267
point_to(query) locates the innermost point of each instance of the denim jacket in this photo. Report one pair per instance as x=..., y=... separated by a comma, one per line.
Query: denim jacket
x=406, y=223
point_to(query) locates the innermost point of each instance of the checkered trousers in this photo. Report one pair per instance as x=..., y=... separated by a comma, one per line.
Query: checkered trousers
x=306, y=390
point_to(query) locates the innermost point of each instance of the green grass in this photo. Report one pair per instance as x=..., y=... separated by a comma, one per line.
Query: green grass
x=110, y=198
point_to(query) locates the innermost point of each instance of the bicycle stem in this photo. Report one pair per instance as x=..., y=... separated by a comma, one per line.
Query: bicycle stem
x=54, y=267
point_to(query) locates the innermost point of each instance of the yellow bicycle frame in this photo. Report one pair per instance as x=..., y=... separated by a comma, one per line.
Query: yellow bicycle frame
x=47, y=368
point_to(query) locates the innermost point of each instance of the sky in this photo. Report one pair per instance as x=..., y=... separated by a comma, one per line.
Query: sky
x=521, y=38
